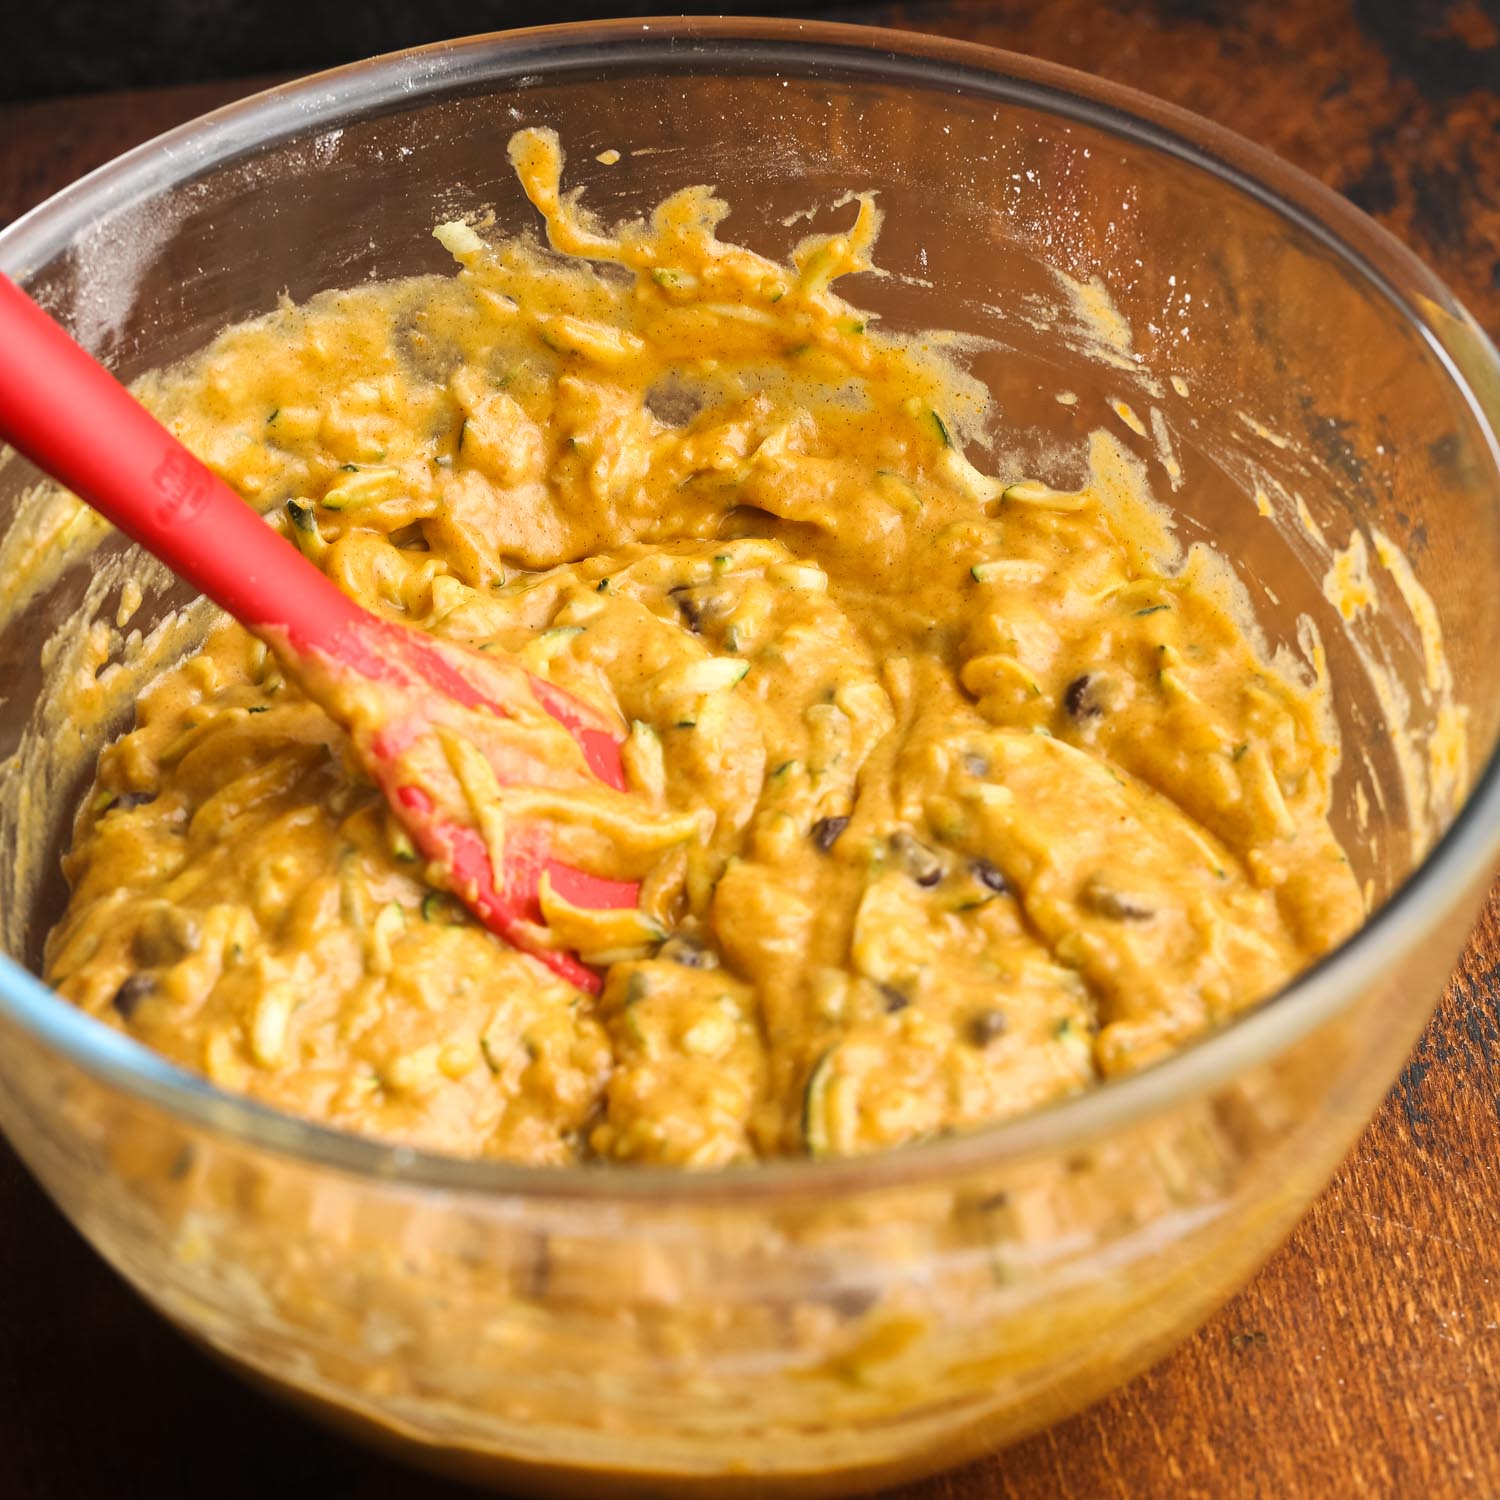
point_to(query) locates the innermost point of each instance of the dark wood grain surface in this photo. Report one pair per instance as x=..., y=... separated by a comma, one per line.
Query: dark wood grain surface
x=1365, y=1358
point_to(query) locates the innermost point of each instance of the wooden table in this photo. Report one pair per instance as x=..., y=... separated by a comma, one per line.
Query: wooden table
x=1365, y=1359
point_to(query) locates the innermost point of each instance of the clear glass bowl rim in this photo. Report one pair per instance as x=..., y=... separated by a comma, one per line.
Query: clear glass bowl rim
x=1464, y=855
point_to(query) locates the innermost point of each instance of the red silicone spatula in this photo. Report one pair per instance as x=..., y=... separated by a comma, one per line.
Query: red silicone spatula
x=389, y=685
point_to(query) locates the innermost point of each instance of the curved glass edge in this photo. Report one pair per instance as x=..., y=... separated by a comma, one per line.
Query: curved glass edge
x=1465, y=854
x=396, y=79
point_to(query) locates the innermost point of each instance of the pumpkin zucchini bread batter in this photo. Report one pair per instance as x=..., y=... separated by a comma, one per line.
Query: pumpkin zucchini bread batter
x=987, y=800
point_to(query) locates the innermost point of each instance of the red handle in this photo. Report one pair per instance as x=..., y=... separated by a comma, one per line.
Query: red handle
x=71, y=417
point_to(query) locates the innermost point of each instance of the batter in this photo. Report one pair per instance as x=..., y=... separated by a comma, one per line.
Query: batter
x=977, y=798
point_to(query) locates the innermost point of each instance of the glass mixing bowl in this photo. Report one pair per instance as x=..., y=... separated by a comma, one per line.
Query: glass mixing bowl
x=831, y=1325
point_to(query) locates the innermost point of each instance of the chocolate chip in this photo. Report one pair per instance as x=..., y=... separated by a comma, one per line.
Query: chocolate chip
x=128, y=997
x=826, y=831
x=1118, y=906
x=702, y=607
x=688, y=608
x=916, y=859
x=166, y=934
x=989, y=876
x=126, y=800
x=1081, y=698
x=894, y=999
x=985, y=1025
x=685, y=951
x=672, y=403
x=853, y=1302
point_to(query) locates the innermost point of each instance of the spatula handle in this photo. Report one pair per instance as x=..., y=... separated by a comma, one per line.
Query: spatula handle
x=63, y=410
